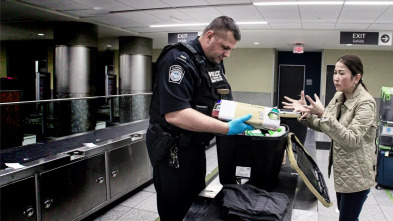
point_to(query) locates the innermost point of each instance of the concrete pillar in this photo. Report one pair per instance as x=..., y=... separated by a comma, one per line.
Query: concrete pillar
x=135, y=77
x=75, y=54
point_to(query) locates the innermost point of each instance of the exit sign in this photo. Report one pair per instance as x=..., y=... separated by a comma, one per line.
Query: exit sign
x=298, y=49
x=181, y=37
x=366, y=38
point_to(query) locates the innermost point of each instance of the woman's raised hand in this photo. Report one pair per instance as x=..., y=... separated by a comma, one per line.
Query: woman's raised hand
x=316, y=107
x=296, y=105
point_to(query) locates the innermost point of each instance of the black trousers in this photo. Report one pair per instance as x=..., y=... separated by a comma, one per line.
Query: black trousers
x=177, y=188
x=350, y=204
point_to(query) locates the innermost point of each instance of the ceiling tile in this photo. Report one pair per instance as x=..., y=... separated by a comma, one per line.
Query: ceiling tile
x=325, y=13
x=167, y=14
x=145, y=4
x=203, y=14
x=224, y=2
x=361, y=13
x=254, y=27
x=352, y=26
x=318, y=25
x=386, y=17
x=241, y=13
x=381, y=27
x=60, y=5
x=114, y=20
x=86, y=13
x=106, y=5
x=168, y=30
x=182, y=3
x=21, y=11
x=141, y=17
x=286, y=25
x=279, y=13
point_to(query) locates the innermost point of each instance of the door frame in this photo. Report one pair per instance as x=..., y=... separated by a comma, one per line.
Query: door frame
x=279, y=79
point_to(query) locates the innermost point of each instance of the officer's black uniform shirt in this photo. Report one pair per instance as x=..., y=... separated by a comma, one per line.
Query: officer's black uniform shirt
x=177, y=78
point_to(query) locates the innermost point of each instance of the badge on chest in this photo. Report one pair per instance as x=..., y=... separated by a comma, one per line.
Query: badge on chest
x=215, y=76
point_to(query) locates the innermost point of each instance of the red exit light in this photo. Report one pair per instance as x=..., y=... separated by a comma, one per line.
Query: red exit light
x=298, y=49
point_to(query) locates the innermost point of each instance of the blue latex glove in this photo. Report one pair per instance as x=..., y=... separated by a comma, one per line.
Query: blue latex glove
x=237, y=125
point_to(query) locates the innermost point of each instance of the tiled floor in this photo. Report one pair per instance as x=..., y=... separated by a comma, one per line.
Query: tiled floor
x=142, y=205
x=378, y=206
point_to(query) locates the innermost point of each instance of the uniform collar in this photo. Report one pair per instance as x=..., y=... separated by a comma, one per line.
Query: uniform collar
x=357, y=94
x=195, y=43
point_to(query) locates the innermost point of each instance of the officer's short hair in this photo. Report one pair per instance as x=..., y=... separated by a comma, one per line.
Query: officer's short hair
x=221, y=25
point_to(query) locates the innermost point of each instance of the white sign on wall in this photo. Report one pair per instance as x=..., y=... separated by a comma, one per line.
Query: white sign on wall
x=385, y=38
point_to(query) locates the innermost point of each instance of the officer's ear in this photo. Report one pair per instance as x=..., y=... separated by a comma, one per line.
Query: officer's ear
x=209, y=34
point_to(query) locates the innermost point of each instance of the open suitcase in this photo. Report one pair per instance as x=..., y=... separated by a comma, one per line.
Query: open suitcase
x=259, y=159
x=307, y=169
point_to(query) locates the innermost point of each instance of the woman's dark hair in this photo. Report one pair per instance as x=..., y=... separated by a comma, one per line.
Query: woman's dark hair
x=355, y=65
x=221, y=25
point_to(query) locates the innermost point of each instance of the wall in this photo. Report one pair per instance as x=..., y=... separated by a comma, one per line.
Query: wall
x=250, y=69
x=156, y=53
x=51, y=54
x=3, y=61
x=116, y=67
x=250, y=73
x=377, y=66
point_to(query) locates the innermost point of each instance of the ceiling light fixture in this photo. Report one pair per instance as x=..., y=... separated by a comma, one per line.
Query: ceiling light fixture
x=256, y=43
x=41, y=34
x=175, y=19
x=369, y=3
x=299, y=3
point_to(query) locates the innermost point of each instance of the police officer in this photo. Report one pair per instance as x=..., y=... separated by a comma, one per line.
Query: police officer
x=189, y=77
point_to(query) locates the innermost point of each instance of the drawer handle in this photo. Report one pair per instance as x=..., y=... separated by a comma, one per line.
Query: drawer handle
x=136, y=136
x=47, y=203
x=29, y=212
x=100, y=179
x=114, y=173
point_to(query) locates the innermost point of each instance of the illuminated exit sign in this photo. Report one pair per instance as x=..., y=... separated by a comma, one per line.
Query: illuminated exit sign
x=366, y=38
x=181, y=37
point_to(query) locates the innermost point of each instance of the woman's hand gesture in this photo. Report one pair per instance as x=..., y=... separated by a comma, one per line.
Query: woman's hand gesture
x=296, y=105
x=316, y=107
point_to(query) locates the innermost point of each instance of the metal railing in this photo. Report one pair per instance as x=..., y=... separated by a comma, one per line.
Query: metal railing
x=27, y=122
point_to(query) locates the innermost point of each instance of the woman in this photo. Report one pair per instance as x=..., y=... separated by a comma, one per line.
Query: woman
x=350, y=121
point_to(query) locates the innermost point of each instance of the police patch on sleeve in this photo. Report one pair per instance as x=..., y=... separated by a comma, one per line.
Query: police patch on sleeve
x=176, y=73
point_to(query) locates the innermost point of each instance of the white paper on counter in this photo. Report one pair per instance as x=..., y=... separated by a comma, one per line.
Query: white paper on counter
x=89, y=145
x=14, y=165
